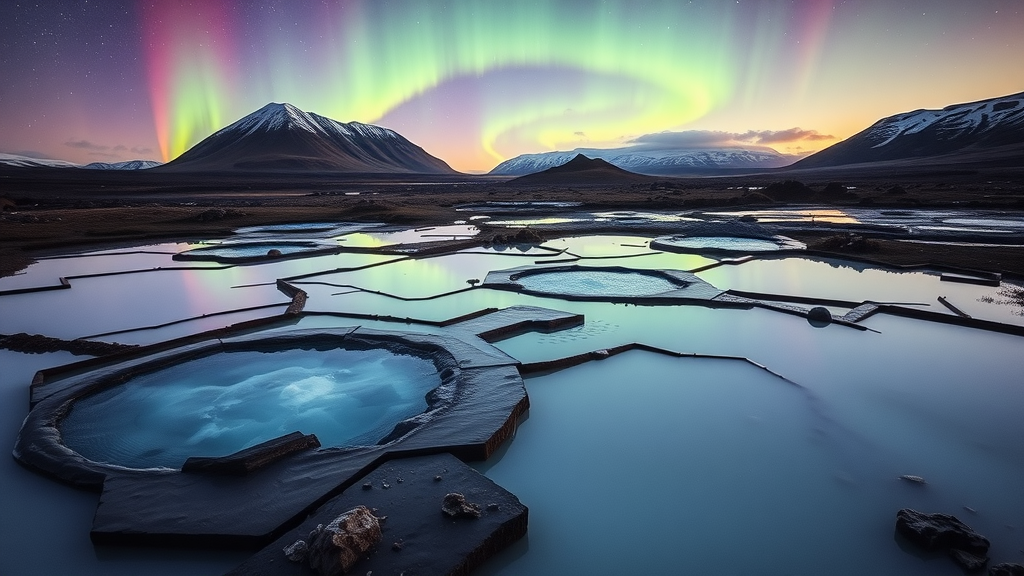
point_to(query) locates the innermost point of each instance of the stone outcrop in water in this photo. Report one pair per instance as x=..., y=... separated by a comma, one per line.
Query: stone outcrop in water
x=455, y=505
x=335, y=548
x=944, y=532
x=39, y=344
x=969, y=562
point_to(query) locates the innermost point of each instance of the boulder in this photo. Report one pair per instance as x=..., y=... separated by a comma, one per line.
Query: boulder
x=455, y=505
x=334, y=549
x=1006, y=569
x=940, y=532
x=969, y=562
x=819, y=314
x=296, y=551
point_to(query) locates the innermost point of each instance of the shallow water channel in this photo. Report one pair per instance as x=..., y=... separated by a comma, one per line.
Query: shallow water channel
x=639, y=463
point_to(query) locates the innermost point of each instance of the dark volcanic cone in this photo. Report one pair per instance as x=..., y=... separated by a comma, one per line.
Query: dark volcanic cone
x=280, y=137
x=582, y=171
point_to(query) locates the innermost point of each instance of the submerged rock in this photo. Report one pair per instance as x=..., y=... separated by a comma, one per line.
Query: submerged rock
x=335, y=548
x=455, y=505
x=296, y=551
x=967, y=561
x=1006, y=569
x=819, y=314
x=940, y=532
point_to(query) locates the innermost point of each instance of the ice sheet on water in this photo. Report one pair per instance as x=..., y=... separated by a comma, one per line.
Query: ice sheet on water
x=217, y=405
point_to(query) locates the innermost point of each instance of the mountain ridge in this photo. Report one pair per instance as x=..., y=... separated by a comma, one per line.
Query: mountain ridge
x=651, y=161
x=988, y=124
x=281, y=137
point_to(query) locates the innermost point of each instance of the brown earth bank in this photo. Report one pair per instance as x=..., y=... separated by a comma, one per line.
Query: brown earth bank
x=55, y=211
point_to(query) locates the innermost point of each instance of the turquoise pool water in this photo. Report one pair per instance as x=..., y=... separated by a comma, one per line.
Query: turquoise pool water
x=220, y=404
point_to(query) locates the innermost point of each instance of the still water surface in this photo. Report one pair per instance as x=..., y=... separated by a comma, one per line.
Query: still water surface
x=641, y=462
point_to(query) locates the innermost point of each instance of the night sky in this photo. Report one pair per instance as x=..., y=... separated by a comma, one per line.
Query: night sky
x=476, y=81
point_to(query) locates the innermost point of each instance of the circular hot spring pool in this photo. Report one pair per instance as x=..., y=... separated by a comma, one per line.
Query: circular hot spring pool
x=597, y=283
x=219, y=404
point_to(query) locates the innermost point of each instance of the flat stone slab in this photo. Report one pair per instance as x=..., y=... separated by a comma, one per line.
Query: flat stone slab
x=476, y=408
x=418, y=537
x=515, y=319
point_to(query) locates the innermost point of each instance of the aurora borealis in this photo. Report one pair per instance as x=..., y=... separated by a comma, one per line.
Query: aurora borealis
x=477, y=81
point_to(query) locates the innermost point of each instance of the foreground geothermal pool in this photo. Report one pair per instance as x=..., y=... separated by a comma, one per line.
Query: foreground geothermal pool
x=596, y=283
x=220, y=404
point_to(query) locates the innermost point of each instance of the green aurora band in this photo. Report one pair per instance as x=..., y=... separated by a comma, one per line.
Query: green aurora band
x=630, y=68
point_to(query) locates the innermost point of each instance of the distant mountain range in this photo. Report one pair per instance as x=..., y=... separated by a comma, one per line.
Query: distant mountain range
x=995, y=126
x=282, y=138
x=28, y=162
x=581, y=171
x=128, y=165
x=654, y=162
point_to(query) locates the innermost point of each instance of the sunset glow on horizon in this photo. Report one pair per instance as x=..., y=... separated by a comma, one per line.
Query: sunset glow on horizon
x=477, y=82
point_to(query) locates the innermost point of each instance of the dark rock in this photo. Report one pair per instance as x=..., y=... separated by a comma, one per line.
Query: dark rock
x=38, y=344
x=1006, y=569
x=789, y=190
x=215, y=214
x=431, y=543
x=849, y=242
x=522, y=236
x=253, y=458
x=967, y=561
x=334, y=549
x=939, y=532
x=455, y=505
x=296, y=551
x=819, y=314
x=273, y=252
x=914, y=479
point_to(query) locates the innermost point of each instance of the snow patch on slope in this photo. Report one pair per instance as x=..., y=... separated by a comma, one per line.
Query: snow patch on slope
x=27, y=162
x=952, y=121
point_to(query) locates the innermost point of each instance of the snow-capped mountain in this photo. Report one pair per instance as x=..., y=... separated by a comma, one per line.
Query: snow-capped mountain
x=27, y=162
x=281, y=137
x=127, y=165
x=986, y=124
x=656, y=162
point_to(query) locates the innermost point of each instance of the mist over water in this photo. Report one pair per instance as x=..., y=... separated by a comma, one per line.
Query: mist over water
x=220, y=404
